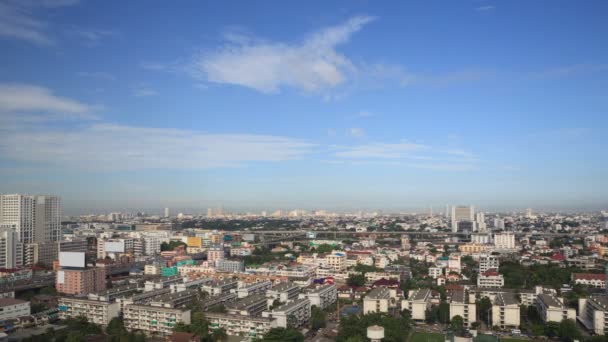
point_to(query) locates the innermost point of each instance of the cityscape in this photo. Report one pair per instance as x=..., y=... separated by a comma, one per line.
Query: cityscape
x=265, y=171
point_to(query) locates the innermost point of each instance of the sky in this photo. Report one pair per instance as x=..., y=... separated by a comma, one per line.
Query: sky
x=341, y=105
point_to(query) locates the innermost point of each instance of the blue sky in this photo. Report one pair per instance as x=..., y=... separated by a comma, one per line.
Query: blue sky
x=338, y=105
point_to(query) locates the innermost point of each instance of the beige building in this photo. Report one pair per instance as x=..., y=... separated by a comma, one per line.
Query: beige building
x=552, y=309
x=237, y=325
x=461, y=305
x=417, y=303
x=295, y=313
x=96, y=311
x=505, y=310
x=593, y=313
x=154, y=320
x=377, y=300
x=321, y=296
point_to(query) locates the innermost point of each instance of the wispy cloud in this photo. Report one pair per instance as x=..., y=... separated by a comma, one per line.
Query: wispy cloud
x=144, y=91
x=364, y=114
x=356, y=132
x=100, y=75
x=112, y=147
x=571, y=70
x=380, y=150
x=91, y=37
x=485, y=8
x=311, y=66
x=19, y=20
x=16, y=99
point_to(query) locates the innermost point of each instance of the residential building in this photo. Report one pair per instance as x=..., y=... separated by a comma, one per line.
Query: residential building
x=294, y=313
x=552, y=309
x=255, y=288
x=215, y=253
x=504, y=240
x=11, y=250
x=460, y=305
x=232, y=266
x=322, y=296
x=590, y=279
x=80, y=281
x=593, y=313
x=505, y=310
x=418, y=303
x=283, y=292
x=96, y=311
x=153, y=320
x=13, y=308
x=237, y=325
x=252, y=305
x=219, y=287
x=491, y=279
x=377, y=300
x=487, y=262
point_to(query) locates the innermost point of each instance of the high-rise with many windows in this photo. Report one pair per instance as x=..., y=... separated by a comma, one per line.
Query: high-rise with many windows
x=35, y=219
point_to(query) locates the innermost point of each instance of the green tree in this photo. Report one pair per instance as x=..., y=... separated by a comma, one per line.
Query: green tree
x=444, y=312
x=324, y=248
x=116, y=327
x=318, y=318
x=483, y=307
x=356, y=280
x=457, y=324
x=219, y=335
x=282, y=334
x=568, y=331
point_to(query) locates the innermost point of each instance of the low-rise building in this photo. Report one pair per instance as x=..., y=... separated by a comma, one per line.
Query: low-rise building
x=490, y=279
x=13, y=308
x=590, y=279
x=461, y=305
x=237, y=325
x=321, y=296
x=377, y=300
x=552, y=309
x=505, y=310
x=154, y=320
x=248, y=306
x=593, y=313
x=283, y=292
x=417, y=303
x=96, y=311
x=255, y=288
x=294, y=314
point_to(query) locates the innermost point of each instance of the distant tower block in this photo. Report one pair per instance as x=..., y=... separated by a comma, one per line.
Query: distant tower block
x=375, y=333
x=606, y=281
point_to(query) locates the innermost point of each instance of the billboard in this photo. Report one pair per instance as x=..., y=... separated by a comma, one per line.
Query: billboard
x=117, y=246
x=71, y=259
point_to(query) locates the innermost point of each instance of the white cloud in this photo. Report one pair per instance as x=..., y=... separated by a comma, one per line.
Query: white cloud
x=91, y=37
x=311, y=66
x=381, y=150
x=485, y=8
x=144, y=92
x=18, y=20
x=29, y=98
x=357, y=132
x=119, y=147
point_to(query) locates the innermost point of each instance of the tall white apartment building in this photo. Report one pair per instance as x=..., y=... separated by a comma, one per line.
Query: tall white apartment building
x=295, y=313
x=418, y=303
x=593, y=313
x=462, y=214
x=504, y=241
x=461, y=305
x=480, y=222
x=488, y=262
x=34, y=218
x=505, y=310
x=11, y=250
x=552, y=309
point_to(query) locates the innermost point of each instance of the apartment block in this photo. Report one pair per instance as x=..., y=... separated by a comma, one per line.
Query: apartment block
x=377, y=300
x=321, y=296
x=237, y=325
x=283, y=292
x=461, y=305
x=249, y=306
x=96, y=311
x=505, y=310
x=80, y=281
x=295, y=313
x=154, y=320
x=552, y=309
x=593, y=313
x=418, y=303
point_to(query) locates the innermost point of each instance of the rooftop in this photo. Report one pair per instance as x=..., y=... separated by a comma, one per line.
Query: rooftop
x=378, y=293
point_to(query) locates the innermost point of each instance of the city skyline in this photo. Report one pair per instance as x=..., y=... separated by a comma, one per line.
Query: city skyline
x=366, y=106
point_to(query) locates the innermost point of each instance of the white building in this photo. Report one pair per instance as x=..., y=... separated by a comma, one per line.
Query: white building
x=504, y=241
x=435, y=272
x=11, y=250
x=237, y=325
x=377, y=300
x=294, y=314
x=462, y=214
x=418, y=303
x=283, y=292
x=552, y=309
x=505, y=310
x=460, y=305
x=321, y=296
x=490, y=279
x=154, y=320
x=34, y=218
x=488, y=262
x=13, y=308
x=593, y=313
x=96, y=311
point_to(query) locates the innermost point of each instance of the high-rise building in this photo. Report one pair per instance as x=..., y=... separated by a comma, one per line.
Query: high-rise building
x=34, y=218
x=480, y=222
x=166, y=212
x=11, y=250
x=462, y=214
